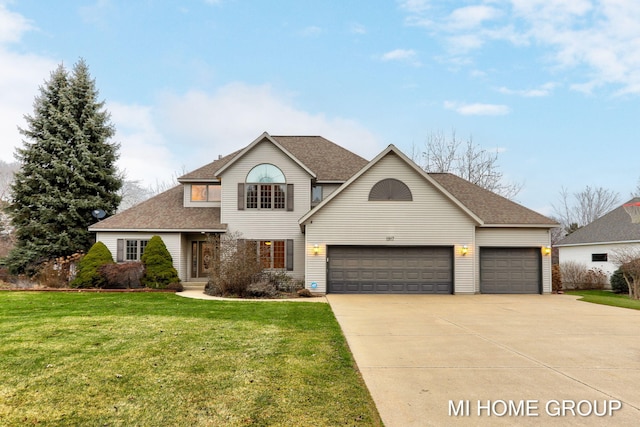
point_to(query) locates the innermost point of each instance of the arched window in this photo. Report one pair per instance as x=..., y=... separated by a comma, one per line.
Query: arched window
x=266, y=188
x=390, y=189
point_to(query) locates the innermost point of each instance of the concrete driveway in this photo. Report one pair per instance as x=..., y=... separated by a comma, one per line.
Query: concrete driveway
x=494, y=360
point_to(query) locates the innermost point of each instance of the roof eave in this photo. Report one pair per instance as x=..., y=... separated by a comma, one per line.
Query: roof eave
x=192, y=180
x=158, y=230
x=525, y=225
x=619, y=242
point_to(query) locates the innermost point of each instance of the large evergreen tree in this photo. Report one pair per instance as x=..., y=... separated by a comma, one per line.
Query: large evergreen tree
x=67, y=170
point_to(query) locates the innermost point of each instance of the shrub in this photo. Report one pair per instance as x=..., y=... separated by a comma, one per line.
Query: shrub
x=88, y=267
x=573, y=274
x=158, y=265
x=236, y=267
x=262, y=289
x=618, y=284
x=175, y=287
x=282, y=281
x=556, y=278
x=122, y=276
x=576, y=275
x=595, y=278
x=49, y=275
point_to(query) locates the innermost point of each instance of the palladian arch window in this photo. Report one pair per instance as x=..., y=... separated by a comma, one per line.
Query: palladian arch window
x=390, y=189
x=265, y=188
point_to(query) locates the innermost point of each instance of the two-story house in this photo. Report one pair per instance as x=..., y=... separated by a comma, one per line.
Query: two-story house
x=342, y=223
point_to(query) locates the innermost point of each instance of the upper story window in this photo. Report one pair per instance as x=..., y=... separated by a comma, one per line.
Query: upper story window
x=390, y=189
x=205, y=192
x=316, y=194
x=266, y=172
x=266, y=188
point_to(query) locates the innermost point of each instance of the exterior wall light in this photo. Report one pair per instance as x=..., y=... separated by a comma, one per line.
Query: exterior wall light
x=464, y=250
x=546, y=250
x=316, y=249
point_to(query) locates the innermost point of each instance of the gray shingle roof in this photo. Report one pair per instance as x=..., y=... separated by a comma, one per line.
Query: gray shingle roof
x=615, y=226
x=165, y=211
x=489, y=206
x=329, y=161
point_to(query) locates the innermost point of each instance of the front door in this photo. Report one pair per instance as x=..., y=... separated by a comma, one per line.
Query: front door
x=201, y=259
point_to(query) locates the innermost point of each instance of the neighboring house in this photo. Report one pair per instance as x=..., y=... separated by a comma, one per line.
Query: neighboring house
x=594, y=244
x=343, y=224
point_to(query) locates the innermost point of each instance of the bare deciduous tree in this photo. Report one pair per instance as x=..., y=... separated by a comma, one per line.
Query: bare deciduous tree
x=628, y=259
x=636, y=191
x=133, y=192
x=465, y=159
x=7, y=171
x=583, y=207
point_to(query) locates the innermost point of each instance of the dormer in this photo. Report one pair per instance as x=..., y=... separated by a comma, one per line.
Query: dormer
x=202, y=194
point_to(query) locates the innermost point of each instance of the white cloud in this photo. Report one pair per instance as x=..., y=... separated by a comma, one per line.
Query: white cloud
x=404, y=55
x=357, y=28
x=414, y=6
x=185, y=130
x=12, y=25
x=598, y=38
x=544, y=90
x=311, y=31
x=203, y=125
x=477, y=109
x=472, y=16
x=144, y=153
x=20, y=76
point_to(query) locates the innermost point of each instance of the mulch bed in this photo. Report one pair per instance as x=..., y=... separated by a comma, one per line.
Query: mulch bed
x=84, y=290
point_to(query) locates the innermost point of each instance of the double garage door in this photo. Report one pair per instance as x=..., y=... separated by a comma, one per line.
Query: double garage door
x=429, y=270
x=390, y=270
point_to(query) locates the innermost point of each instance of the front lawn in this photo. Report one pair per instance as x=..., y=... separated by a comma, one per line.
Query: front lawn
x=156, y=359
x=607, y=298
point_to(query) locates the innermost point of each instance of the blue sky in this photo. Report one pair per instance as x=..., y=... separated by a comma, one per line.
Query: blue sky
x=553, y=85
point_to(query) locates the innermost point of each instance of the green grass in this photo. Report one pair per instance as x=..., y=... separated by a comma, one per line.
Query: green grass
x=607, y=298
x=156, y=359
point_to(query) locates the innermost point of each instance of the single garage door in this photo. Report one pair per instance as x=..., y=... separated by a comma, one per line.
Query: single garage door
x=390, y=270
x=510, y=271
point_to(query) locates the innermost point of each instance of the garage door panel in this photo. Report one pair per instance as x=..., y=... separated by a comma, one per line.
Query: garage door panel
x=389, y=269
x=510, y=270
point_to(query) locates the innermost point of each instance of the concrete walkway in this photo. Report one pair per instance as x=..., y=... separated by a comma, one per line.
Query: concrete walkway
x=523, y=359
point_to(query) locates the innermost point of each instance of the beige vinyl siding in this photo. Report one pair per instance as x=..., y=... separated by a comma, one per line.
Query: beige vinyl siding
x=267, y=224
x=517, y=237
x=327, y=189
x=429, y=220
x=171, y=240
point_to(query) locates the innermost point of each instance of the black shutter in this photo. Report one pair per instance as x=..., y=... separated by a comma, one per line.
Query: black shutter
x=241, y=196
x=289, y=197
x=289, y=253
x=120, y=251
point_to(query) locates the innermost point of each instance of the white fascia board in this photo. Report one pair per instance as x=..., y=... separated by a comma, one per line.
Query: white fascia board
x=622, y=242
